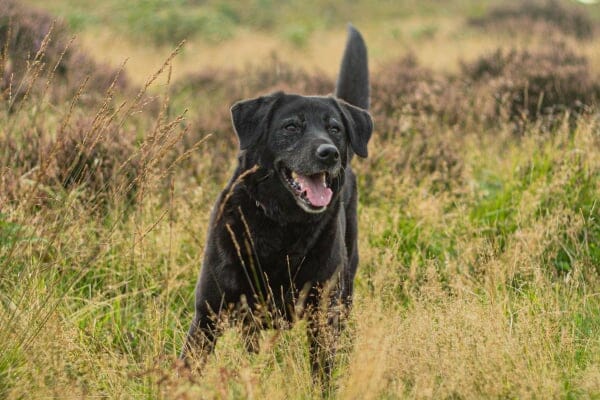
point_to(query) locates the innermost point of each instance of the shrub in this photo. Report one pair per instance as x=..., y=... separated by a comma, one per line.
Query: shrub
x=529, y=84
x=546, y=17
x=100, y=160
x=408, y=104
x=35, y=44
x=78, y=139
x=403, y=86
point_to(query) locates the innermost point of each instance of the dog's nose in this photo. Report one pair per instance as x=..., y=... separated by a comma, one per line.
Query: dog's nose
x=328, y=153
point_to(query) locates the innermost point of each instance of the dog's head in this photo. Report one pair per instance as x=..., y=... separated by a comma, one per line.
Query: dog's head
x=303, y=143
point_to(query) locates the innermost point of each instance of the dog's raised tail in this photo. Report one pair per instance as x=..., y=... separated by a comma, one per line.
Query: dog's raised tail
x=353, y=80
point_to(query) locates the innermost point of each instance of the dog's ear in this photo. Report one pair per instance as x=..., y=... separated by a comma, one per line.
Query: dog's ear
x=359, y=126
x=250, y=118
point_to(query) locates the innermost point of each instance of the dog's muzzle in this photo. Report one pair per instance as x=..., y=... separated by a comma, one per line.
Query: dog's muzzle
x=312, y=192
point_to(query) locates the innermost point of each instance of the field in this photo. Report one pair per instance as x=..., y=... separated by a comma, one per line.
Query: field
x=479, y=204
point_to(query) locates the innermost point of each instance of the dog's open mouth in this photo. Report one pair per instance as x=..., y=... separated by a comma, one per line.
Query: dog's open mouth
x=313, y=192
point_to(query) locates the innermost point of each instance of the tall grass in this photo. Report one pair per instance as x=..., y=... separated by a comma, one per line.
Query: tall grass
x=479, y=234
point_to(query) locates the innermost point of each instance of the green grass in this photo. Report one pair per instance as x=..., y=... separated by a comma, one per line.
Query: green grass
x=161, y=22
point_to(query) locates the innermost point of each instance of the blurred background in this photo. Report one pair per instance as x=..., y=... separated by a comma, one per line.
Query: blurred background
x=311, y=33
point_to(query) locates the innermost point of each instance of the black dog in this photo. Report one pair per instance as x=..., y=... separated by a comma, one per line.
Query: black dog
x=283, y=233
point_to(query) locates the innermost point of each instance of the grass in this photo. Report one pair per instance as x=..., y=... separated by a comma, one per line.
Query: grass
x=307, y=33
x=479, y=232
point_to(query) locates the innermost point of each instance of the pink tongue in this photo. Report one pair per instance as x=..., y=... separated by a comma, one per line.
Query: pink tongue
x=317, y=194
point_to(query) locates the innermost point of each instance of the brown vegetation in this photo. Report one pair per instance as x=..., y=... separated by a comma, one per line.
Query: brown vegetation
x=530, y=84
x=23, y=33
x=547, y=17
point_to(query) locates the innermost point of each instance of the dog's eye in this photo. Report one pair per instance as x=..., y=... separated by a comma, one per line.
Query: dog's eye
x=333, y=130
x=292, y=127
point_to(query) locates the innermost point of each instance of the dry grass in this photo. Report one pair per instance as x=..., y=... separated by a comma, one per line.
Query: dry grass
x=479, y=273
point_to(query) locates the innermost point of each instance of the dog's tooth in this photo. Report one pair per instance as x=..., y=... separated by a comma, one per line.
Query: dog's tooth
x=294, y=175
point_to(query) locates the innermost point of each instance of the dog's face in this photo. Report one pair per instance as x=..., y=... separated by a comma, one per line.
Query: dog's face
x=304, y=143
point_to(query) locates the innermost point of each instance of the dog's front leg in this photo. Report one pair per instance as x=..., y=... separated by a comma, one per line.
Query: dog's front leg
x=200, y=342
x=323, y=334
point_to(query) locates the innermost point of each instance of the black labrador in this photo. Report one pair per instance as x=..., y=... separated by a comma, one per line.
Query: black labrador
x=282, y=241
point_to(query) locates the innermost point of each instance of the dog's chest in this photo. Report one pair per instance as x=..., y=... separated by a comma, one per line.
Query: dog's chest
x=282, y=247
x=295, y=254
x=291, y=253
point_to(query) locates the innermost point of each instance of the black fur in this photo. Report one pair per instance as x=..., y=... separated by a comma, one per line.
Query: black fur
x=269, y=257
x=353, y=79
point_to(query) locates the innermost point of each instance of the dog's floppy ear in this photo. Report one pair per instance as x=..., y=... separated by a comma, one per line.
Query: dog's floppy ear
x=250, y=118
x=359, y=126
